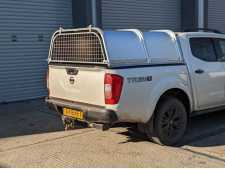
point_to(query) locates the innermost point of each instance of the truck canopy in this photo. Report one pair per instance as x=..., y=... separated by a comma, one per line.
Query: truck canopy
x=125, y=47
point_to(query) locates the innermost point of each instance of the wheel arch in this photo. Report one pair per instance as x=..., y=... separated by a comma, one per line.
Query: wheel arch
x=179, y=93
x=175, y=92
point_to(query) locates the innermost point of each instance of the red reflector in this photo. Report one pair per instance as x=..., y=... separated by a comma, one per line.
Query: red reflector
x=113, y=88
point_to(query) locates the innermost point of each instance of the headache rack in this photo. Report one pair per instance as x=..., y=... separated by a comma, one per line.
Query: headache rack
x=78, y=46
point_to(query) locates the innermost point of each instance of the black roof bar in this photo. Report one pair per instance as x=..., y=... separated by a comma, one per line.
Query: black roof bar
x=203, y=29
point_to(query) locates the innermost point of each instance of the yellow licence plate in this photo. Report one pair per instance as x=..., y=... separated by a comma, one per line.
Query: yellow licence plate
x=73, y=113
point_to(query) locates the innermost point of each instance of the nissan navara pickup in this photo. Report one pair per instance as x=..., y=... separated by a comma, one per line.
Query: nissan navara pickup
x=156, y=79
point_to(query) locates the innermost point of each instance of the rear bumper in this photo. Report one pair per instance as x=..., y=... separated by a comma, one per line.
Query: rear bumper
x=94, y=114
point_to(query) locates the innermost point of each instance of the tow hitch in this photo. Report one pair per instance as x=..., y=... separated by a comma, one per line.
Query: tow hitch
x=71, y=124
x=102, y=127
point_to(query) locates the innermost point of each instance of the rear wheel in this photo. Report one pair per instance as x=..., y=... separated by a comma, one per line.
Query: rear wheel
x=170, y=122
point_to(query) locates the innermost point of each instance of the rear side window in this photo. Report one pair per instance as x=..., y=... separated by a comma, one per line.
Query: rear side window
x=203, y=48
x=220, y=44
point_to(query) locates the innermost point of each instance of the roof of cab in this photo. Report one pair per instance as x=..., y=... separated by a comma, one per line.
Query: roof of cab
x=200, y=34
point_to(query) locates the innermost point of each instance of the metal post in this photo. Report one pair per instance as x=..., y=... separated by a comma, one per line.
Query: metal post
x=94, y=12
x=201, y=13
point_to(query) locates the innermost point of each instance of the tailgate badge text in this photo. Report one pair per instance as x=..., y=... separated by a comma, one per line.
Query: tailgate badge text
x=139, y=79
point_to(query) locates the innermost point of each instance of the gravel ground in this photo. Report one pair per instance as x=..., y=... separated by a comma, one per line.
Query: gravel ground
x=32, y=136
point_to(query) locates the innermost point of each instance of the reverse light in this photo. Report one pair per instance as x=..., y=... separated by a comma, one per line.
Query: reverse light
x=113, y=88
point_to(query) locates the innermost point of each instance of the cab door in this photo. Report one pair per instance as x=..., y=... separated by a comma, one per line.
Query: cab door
x=207, y=73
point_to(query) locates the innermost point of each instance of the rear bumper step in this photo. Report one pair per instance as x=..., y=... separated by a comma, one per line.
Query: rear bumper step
x=92, y=114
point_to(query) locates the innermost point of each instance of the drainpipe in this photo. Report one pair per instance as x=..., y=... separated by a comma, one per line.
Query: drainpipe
x=94, y=13
x=201, y=13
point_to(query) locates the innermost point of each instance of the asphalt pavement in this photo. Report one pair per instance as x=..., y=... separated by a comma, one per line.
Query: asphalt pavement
x=33, y=136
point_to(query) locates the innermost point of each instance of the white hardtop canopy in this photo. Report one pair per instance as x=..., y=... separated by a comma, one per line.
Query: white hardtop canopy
x=126, y=47
x=131, y=46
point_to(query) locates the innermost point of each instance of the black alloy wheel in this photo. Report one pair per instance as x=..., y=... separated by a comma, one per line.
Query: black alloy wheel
x=170, y=122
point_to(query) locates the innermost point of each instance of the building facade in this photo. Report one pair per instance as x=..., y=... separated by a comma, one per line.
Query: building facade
x=27, y=25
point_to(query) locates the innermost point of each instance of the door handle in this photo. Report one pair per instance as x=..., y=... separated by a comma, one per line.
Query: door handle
x=199, y=71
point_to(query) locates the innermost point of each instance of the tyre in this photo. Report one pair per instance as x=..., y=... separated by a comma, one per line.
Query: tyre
x=169, y=123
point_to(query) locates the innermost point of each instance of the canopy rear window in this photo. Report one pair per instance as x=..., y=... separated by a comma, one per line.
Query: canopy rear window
x=77, y=47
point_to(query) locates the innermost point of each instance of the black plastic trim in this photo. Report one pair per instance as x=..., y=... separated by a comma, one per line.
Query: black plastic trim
x=78, y=64
x=92, y=113
x=201, y=112
x=148, y=65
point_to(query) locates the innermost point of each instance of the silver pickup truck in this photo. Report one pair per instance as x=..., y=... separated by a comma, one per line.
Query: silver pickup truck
x=157, y=79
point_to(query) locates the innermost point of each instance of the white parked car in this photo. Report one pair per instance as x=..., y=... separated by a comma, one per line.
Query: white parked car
x=157, y=79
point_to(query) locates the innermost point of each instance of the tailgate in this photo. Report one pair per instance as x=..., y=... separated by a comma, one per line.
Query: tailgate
x=78, y=84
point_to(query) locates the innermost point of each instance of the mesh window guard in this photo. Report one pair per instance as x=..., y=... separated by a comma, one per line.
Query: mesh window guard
x=82, y=47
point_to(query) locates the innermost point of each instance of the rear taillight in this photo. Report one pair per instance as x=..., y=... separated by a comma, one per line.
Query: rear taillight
x=113, y=88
